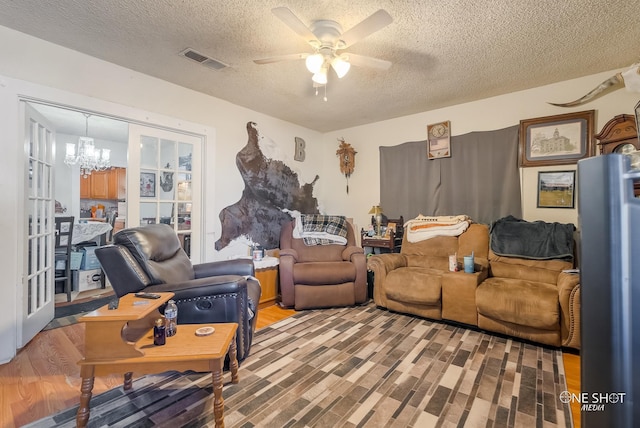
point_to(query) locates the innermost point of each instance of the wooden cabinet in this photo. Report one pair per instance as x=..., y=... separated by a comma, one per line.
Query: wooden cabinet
x=100, y=184
x=268, y=278
x=121, y=183
x=109, y=184
x=85, y=187
x=117, y=183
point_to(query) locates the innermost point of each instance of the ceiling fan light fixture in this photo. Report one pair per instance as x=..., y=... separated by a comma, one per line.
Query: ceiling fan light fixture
x=321, y=76
x=340, y=66
x=314, y=62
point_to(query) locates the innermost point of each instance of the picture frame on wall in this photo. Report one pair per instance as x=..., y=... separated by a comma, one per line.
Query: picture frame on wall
x=147, y=184
x=556, y=189
x=562, y=139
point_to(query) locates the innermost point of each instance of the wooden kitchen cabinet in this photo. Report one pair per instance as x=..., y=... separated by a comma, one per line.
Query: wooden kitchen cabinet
x=100, y=184
x=85, y=187
x=121, y=183
x=117, y=183
x=108, y=184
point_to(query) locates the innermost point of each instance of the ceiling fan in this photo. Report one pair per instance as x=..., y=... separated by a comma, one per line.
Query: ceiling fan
x=326, y=38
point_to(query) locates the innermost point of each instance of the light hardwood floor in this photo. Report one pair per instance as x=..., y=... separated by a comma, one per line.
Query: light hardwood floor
x=44, y=377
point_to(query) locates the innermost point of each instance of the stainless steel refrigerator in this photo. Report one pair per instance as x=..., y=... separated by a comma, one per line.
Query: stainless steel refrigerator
x=609, y=220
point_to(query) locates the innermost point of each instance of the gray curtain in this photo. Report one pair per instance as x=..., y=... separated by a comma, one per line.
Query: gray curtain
x=480, y=179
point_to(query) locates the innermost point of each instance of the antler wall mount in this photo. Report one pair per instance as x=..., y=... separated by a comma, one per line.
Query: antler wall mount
x=629, y=79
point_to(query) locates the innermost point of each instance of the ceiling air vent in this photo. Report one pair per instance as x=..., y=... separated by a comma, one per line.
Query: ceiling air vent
x=203, y=59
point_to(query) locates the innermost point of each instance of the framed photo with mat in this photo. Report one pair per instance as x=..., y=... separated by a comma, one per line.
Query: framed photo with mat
x=556, y=189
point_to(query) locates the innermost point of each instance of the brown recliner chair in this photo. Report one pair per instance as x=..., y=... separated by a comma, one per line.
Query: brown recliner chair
x=150, y=258
x=321, y=276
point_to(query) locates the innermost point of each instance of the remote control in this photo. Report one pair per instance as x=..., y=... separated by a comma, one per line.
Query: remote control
x=147, y=295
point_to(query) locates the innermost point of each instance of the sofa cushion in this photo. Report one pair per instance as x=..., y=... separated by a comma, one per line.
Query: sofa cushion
x=414, y=285
x=527, y=269
x=528, y=303
x=324, y=273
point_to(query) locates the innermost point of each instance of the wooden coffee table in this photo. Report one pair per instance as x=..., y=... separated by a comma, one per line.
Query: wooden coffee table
x=121, y=341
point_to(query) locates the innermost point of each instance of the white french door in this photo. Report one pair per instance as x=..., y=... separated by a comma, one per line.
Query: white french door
x=164, y=183
x=37, y=285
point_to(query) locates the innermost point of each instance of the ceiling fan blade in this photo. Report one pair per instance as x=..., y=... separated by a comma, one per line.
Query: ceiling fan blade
x=367, y=61
x=293, y=22
x=289, y=57
x=370, y=25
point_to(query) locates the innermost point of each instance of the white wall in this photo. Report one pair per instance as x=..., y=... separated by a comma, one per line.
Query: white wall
x=487, y=114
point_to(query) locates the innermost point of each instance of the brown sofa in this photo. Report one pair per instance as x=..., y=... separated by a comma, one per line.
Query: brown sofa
x=528, y=299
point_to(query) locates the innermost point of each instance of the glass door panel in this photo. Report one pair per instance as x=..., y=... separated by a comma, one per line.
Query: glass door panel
x=38, y=295
x=167, y=191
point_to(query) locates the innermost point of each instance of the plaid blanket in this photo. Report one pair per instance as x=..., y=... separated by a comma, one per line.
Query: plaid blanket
x=318, y=229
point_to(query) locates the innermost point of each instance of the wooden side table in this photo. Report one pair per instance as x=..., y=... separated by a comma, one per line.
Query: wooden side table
x=266, y=270
x=121, y=341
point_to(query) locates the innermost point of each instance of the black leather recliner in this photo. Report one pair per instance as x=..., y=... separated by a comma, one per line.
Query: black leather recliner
x=150, y=258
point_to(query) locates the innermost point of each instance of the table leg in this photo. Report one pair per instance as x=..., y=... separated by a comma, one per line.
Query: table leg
x=128, y=376
x=87, y=374
x=233, y=361
x=218, y=401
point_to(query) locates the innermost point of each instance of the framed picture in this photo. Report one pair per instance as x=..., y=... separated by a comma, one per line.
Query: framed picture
x=439, y=140
x=556, y=189
x=556, y=140
x=148, y=184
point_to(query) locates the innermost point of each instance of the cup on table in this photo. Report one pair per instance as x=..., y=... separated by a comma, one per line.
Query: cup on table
x=453, y=262
x=468, y=264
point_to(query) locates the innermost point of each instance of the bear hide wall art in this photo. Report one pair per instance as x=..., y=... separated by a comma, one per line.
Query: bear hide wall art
x=270, y=187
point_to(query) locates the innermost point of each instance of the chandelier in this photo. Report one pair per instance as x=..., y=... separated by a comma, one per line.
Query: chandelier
x=88, y=157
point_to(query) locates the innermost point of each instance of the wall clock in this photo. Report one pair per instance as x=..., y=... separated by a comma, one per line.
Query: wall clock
x=439, y=140
x=347, y=156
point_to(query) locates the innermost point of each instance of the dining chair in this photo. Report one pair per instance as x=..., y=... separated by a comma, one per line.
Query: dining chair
x=63, y=237
x=111, y=219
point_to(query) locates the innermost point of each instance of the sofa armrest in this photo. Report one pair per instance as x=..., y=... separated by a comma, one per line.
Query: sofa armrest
x=288, y=258
x=381, y=265
x=349, y=251
x=195, y=288
x=289, y=252
x=569, y=297
x=359, y=260
x=242, y=267
x=385, y=263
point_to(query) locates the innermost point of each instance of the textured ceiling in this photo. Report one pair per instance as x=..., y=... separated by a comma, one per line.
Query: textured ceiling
x=443, y=52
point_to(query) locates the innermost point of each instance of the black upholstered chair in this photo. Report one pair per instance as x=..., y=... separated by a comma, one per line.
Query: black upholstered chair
x=150, y=258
